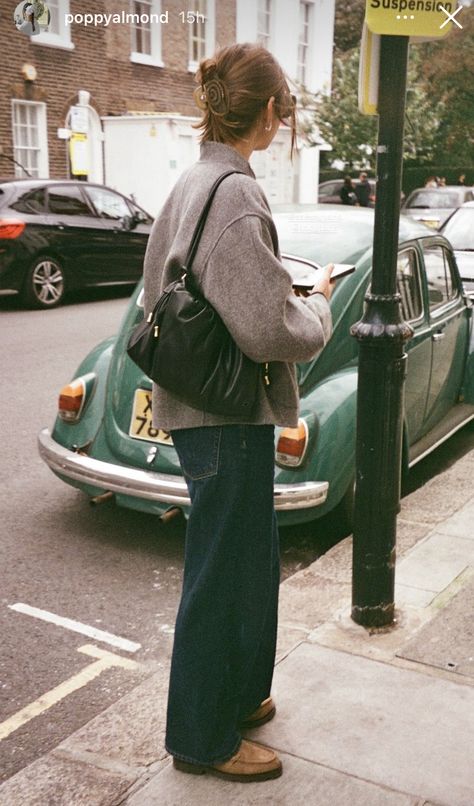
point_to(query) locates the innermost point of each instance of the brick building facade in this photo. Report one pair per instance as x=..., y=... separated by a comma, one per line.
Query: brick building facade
x=98, y=59
x=131, y=85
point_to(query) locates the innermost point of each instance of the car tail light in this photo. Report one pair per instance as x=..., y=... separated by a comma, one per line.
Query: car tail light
x=11, y=228
x=73, y=397
x=292, y=444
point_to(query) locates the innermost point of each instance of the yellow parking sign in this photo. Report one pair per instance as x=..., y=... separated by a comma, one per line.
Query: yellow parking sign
x=417, y=18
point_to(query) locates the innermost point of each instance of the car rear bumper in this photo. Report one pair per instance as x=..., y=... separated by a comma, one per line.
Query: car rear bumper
x=161, y=487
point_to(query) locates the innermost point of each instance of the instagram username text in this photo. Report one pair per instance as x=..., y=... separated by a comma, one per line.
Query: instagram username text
x=126, y=18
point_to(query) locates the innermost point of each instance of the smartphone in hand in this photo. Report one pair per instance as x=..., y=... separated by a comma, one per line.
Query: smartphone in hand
x=341, y=270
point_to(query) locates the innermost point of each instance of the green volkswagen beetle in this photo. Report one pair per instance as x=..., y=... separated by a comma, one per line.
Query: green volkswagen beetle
x=103, y=441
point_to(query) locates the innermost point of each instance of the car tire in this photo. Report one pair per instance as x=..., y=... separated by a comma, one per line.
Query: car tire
x=45, y=283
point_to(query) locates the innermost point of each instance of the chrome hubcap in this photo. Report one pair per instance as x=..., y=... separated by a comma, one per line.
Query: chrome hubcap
x=48, y=282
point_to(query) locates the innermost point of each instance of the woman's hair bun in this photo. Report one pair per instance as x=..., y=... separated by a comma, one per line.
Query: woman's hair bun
x=213, y=94
x=216, y=96
x=207, y=70
x=234, y=89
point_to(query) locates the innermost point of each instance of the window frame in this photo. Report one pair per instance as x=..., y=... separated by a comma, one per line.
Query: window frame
x=209, y=35
x=302, y=67
x=436, y=311
x=42, y=149
x=61, y=40
x=153, y=59
x=265, y=37
x=422, y=315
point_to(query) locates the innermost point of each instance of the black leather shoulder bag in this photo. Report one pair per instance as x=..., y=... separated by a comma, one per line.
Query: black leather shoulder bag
x=184, y=346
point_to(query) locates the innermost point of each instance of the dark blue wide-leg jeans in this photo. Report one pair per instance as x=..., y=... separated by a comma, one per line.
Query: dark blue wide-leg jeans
x=225, y=636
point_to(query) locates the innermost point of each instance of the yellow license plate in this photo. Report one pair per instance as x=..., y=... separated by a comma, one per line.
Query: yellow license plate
x=141, y=426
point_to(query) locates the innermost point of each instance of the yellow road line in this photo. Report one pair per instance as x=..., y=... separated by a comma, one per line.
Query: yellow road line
x=105, y=660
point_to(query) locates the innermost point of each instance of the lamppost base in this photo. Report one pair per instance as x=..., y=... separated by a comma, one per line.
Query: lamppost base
x=378, y=616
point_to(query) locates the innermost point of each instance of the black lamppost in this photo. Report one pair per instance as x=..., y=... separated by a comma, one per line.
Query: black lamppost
x=382, y=334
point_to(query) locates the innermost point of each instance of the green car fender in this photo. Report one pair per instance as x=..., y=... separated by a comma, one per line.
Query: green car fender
x=330, y=413
x=94, y=368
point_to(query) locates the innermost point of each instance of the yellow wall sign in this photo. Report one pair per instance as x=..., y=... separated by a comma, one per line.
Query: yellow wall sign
x=425, y=18
x=79, y=154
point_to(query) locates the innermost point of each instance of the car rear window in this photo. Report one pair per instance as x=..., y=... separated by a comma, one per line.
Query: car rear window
x=427, y=198
x=32, y=202
x=324, y=238
x=330, y=190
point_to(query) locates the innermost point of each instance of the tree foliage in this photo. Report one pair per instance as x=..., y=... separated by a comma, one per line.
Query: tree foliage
x=353, y=136
x=446, y=67
x=336, y=117
x=348, y=21
x=439, y=123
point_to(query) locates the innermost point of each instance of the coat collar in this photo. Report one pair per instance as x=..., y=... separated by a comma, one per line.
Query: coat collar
x=221, y=152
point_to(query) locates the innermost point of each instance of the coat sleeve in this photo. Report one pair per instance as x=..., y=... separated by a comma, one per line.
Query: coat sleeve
x=252, y=292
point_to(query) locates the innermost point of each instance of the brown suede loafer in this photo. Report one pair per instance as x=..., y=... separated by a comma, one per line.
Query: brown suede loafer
x=251, y=763
x=265, y=711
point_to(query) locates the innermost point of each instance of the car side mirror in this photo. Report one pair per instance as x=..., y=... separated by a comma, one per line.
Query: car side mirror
x=129, y=222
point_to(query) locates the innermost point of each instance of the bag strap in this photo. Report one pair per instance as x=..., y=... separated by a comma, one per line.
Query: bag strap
x=202, y=220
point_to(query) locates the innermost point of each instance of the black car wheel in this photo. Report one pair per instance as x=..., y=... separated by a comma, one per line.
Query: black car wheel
x=44, y=285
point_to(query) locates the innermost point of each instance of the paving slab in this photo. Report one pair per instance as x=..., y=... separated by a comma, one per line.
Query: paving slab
x=443, y=495
x=435, y=562
x=409, y=533
x=461, y=523
x=392, y=726
x=54, y=781
x=301, y=784
x=306, y=600
x=131, y=730
x=447, y=641
x=407, y=596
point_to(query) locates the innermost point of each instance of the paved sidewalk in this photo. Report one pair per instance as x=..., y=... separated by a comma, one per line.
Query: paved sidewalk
x=364, y=719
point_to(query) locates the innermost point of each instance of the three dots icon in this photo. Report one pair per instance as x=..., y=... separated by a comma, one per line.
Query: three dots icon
x=405, y=17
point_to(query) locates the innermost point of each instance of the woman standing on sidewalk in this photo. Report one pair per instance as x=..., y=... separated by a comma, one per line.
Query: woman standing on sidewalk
x=225, y=637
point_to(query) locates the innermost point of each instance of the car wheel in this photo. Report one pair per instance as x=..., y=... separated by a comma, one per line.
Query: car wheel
x=44, y=284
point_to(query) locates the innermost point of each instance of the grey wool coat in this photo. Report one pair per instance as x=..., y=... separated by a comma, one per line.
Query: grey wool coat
x=238, y=269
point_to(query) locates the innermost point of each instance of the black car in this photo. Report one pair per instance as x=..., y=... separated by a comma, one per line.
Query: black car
x=60, y=235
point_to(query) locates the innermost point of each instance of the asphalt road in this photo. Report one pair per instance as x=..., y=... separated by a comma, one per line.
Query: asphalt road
x=108, y=568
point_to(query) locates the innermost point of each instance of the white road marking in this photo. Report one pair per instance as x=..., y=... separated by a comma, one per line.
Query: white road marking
x=105, y=661
x=77, y=626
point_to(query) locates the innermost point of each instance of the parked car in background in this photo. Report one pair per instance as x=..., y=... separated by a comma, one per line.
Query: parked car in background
x=432, y=206
x=330, y=192
x=58, y=236
x=103, y=440
x=459, y=230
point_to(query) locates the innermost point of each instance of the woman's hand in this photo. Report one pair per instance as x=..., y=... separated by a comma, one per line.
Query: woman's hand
x=323, y=285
